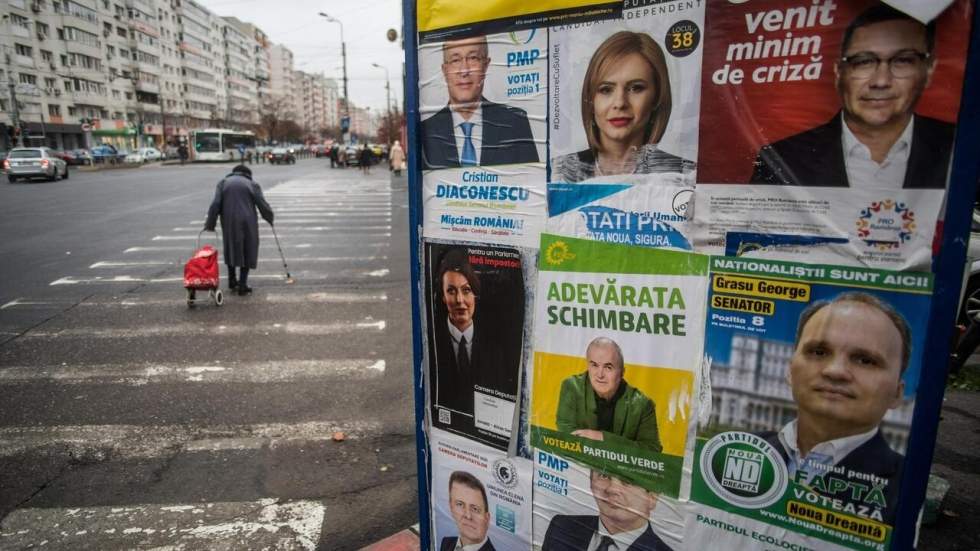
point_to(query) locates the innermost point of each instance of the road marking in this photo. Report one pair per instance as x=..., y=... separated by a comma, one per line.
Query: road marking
x=193, y=329
x=133, y=441
x=24, y=302
x=275, y=298
x=295, y=260
x=251, y=372
x=302, y=276
x=264, y=246
x=375, y=231
x=267, y=524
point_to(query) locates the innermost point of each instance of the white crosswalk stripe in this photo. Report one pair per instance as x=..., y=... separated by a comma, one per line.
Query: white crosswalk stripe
x=262, y=524
x=337, y=236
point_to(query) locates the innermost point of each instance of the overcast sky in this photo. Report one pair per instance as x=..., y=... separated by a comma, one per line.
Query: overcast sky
x=315, y=42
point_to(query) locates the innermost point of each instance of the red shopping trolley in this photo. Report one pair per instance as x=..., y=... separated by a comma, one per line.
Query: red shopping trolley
x=201, y=274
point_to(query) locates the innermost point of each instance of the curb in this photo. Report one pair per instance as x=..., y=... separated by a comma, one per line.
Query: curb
x=406, y=540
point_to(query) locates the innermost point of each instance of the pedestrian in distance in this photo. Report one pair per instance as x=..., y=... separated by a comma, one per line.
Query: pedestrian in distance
x=364, y=159
x=342, y=157
x=333, y=156
x=396, y=158
x=236, y=199
x=182, y=153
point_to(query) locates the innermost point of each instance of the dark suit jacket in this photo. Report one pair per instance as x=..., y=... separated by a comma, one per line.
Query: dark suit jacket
x=816, y=157
x=449, y=543
x=873, y=457
x=491, y=366
x=573, y=533
x=507, y=138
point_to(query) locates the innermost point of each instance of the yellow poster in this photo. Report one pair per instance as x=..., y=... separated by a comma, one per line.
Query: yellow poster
x=443, y=19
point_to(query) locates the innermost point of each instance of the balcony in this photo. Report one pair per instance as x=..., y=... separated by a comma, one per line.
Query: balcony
x=18, y=30
x=24, y=61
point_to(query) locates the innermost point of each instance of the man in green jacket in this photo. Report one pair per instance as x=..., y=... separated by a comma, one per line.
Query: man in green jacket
x=600, y=405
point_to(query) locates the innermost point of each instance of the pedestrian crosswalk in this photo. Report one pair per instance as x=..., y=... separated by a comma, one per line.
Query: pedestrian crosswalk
x=136, y=422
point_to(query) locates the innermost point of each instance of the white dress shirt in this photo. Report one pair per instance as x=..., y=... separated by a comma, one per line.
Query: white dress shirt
x=827, y=454
x=476, y=134
x=621, y=541
x=863, y=171
x=456, y=334
x=470, y=547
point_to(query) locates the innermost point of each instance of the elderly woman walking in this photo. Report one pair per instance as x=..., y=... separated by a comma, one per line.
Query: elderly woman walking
x=235, y=200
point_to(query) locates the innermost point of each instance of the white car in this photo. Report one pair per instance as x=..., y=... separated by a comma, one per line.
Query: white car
x=151, y=154
x=34, y=162
x=134, y=157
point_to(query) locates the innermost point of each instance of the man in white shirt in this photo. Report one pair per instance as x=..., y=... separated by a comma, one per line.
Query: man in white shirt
x=471, y=511
x=470, y=130
x=876, y=140
x=845, y=374
x=623, y=523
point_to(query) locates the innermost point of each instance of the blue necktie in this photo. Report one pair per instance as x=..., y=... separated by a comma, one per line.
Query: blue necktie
x=468, y=158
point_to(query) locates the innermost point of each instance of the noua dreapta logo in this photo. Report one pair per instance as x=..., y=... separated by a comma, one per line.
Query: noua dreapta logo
x=744, y=470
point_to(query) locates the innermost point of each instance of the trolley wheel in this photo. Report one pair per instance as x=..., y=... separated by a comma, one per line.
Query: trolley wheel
x=219, y=297
x=190, y=297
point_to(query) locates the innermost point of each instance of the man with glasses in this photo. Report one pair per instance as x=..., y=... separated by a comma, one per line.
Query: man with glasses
x=470, y=130
x=876, y=141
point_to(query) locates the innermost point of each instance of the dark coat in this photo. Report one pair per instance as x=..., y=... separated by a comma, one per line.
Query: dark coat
x=235, y=200
x=573, y=533
x=873, y=457
x=491, y=367
x=507, y=138
x=816, y=157
x=448, y=544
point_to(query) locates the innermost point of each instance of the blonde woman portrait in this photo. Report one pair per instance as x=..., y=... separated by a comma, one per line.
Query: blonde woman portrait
x=626, y=105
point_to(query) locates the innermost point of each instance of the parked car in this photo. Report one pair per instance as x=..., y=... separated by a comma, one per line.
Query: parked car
x=134, y=157
x=353, y=155
x=151, y=154
x=34, y=162
x=82, y=157
x=105, y=153
x=65, y=156
x=282, y=155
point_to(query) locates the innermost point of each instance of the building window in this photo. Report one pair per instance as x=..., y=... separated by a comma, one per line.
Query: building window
x=47, y=56
x=72, y=111
x=28, y=79
x=54, y=110
x=50, y=83
x=22, y=50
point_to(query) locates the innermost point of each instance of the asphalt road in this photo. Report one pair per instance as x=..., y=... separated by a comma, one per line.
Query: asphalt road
x=130, y=420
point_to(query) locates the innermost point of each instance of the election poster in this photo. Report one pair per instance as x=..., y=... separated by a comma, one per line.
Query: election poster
x=617, y=348
x=572, y=501
x=475, y=309
x=624, y=96
x=479, y=495
x=499, y=206
x=813, y=379
x=641, y=215
x=827, y=131
x=447, y=19
x=873, y=227
x=482, y=102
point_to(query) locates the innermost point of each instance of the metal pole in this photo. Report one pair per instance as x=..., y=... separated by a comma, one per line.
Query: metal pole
x=14, y=110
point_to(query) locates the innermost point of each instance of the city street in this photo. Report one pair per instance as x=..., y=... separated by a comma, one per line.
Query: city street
x=129, y=419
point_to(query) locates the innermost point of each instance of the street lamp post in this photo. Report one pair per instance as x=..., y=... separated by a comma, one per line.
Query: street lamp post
x=343, y=54
x=387, y=100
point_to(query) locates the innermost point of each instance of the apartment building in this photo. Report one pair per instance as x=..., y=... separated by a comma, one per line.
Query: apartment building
x=144, y=72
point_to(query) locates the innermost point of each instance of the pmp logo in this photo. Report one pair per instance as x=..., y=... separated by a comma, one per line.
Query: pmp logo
x=743, y=470
x=505, y=472
x=523, y=57
x=886, y=224
x=557, y=252
x=523, y=37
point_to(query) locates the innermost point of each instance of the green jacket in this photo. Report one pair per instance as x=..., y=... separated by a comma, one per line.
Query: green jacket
x=634, y=420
